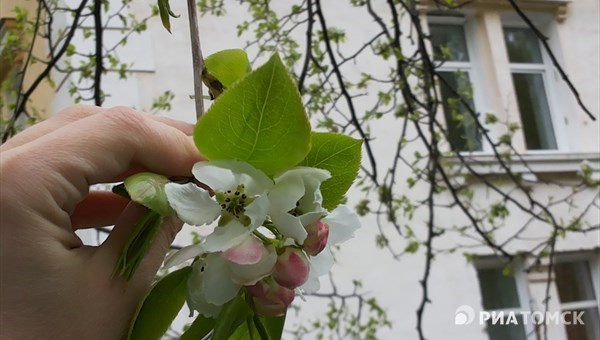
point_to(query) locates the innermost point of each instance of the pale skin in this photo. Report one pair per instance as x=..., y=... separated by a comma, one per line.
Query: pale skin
x=51, y=285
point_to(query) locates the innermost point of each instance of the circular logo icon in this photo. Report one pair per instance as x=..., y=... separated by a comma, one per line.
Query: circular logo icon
x=464, y=315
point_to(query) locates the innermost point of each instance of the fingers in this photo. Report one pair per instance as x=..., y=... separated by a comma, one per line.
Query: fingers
x=60, y=120
x=100, y=147
x=98, y=209
x=111, y=249
x=72, y=114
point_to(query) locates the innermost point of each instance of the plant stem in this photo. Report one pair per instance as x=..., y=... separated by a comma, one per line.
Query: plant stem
x=197, y=60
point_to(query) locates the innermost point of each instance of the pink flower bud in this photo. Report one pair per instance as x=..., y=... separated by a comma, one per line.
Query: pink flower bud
x=291, y=268
x=316, y=240
x=270, y=299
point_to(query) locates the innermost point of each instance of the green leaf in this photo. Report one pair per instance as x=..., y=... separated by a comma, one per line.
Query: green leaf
x=161, y=306
x=148, y=189
x=273, y=325
x=164, y=10
x=233, y=314
x=340, y=155
x=261, y=120
x=228, y=66
x=138, y=244
x=199, y=328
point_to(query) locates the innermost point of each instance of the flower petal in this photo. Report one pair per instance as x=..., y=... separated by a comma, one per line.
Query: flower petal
x=250, y=274
x=216, y=177
x=312, y=217
x=223, y=175
x=286, y=193
x=225, y=237
x=319, y=265
x=322, y=263
x=342, y=222
x=217, y=284
x=257, y=211
x=250, y=251
x=289, y=225
x=193, y=205
x=182, y=255
x=312, y=285
x=195, y=296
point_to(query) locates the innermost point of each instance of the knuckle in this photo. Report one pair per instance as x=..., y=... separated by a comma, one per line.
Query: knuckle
x=77, y=112
x=126, y=119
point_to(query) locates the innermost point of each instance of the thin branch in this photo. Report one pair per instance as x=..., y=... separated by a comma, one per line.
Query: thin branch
x=197, y=60
x=23, y=102
x=555, y=62
x=99, y=65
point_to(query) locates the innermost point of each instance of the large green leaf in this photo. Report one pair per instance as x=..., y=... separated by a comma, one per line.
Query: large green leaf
x=148, y=189
x=233, y=314
x=161, y=306
x=261, y=120
x=199, y=328
x=340, y=155
x=228, y=66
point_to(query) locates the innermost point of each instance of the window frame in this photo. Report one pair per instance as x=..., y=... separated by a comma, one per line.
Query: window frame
x=549, y=77
x=472, y=68
x=593, y=264
x=522, y=286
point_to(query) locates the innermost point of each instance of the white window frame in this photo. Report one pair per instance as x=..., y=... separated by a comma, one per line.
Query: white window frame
x=593, y=263
x=472, y=68
x=522, y=285
x=546, y=69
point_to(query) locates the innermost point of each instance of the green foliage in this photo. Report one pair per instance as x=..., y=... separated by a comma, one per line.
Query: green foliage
x=260, y=120
x=165, y=13
x=199, y=328
x=228, y=66
x=138, y=244
x=161, y=306
x=233, y=314
x=340, y=155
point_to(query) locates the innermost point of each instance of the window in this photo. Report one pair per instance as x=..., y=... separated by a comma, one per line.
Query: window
x=576, y=279
x=450, y=48
x=575, y=286
x=490, y=60
x=528, y=74
x=505, y=292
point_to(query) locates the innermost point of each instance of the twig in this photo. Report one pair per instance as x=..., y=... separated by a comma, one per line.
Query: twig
x=541, y=37
x=23, y=102
x=197, y=60
x=99, y=67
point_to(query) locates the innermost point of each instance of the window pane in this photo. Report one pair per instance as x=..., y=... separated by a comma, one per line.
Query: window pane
x=462, y=128
x=448, y=42
x=535, y=113
x=497, y=290
x=522, y=46
x=574, y=281
x=507, y=331
x=589, y=330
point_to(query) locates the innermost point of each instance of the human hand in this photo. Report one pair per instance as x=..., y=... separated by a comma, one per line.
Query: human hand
x=51, y=285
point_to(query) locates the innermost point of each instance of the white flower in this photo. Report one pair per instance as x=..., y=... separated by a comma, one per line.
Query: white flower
x=217, y=277
x=342, y=222
x=239, y=198
x=295, y=200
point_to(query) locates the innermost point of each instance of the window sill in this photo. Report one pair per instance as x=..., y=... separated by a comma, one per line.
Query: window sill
x=532, y=163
